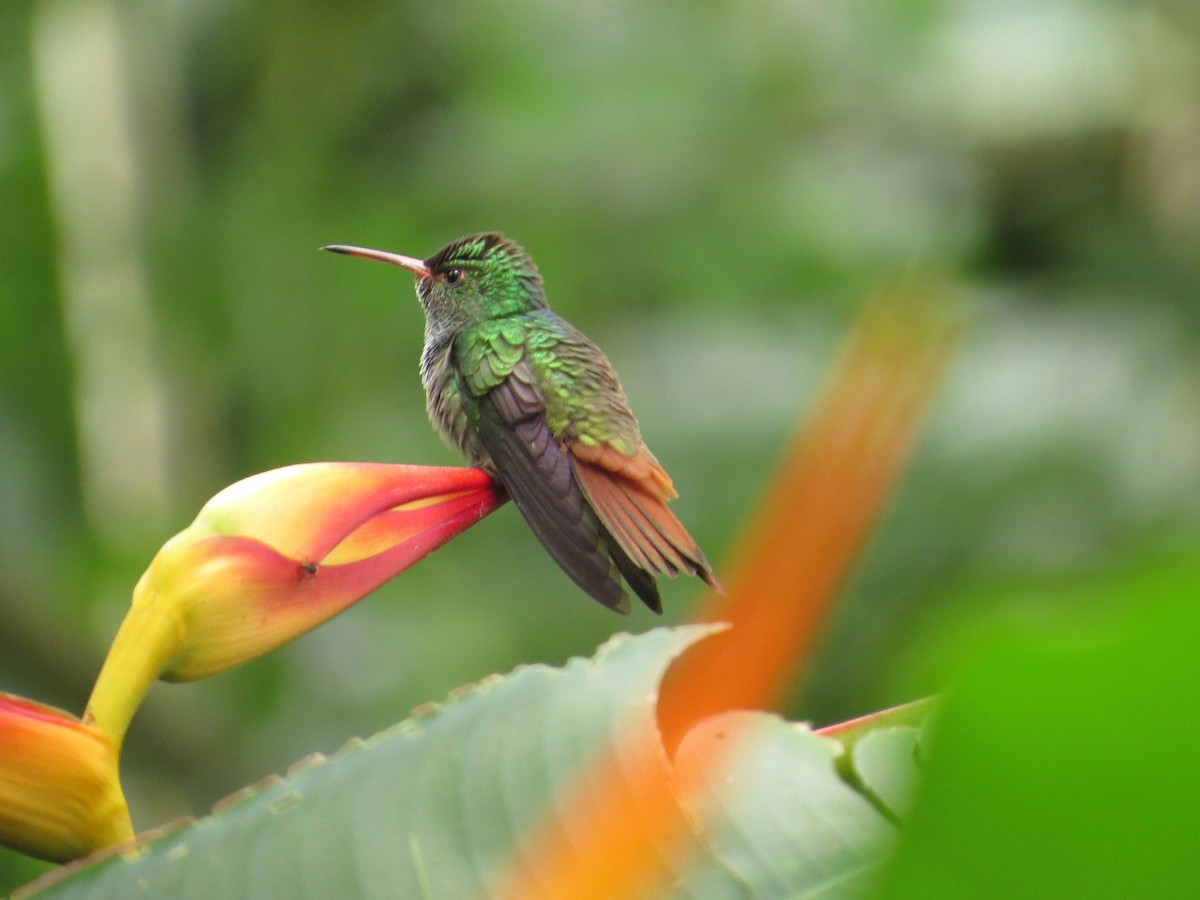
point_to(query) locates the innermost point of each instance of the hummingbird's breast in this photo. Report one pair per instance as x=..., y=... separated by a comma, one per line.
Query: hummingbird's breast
x=450, y=407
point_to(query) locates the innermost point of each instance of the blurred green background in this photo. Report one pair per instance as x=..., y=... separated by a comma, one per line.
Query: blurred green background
x=710, y=190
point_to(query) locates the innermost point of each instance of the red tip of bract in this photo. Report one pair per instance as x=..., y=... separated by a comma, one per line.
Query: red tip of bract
x=60, y=797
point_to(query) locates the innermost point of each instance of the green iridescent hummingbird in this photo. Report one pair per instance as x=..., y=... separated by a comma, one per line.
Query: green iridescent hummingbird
x=521, y=392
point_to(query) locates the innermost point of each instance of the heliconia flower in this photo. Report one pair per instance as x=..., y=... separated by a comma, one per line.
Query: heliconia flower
x=270, y=558
x=60, y=797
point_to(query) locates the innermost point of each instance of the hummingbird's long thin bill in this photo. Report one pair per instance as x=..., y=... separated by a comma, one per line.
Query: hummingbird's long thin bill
x=416, y=266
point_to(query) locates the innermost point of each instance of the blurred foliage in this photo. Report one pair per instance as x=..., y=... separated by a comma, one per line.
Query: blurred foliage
x=710, y=190
x=1063, y=764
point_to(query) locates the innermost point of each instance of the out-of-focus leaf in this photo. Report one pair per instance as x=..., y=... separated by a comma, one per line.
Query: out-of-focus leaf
x=1063, y=763
x=442, y=804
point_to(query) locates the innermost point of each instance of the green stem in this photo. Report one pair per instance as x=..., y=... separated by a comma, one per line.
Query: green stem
x=146, y=641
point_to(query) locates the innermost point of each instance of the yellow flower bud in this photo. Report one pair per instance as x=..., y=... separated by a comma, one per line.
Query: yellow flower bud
x=60, y=796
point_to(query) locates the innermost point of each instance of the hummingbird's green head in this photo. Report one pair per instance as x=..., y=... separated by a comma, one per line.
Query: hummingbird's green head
x=475, y=278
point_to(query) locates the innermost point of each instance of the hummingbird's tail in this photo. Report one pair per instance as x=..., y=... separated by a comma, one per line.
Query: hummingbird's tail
x=641, y=523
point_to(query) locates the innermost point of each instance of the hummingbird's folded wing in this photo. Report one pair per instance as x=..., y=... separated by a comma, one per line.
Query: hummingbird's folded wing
x=538, y=475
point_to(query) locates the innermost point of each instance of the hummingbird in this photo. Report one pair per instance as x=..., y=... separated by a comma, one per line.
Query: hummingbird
x=525, y=395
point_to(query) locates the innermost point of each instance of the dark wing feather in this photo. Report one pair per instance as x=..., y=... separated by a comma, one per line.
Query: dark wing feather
x=538, y=475
x=639, y=579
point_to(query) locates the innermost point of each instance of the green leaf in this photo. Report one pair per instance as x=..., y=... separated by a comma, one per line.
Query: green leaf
x=781, y=819
x=438, y=805
x=1063, y=762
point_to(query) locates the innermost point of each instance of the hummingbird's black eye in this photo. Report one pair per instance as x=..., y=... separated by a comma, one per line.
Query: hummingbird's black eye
x=453, y=276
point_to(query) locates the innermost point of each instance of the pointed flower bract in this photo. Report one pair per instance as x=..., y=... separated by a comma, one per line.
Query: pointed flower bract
x=273, y=556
